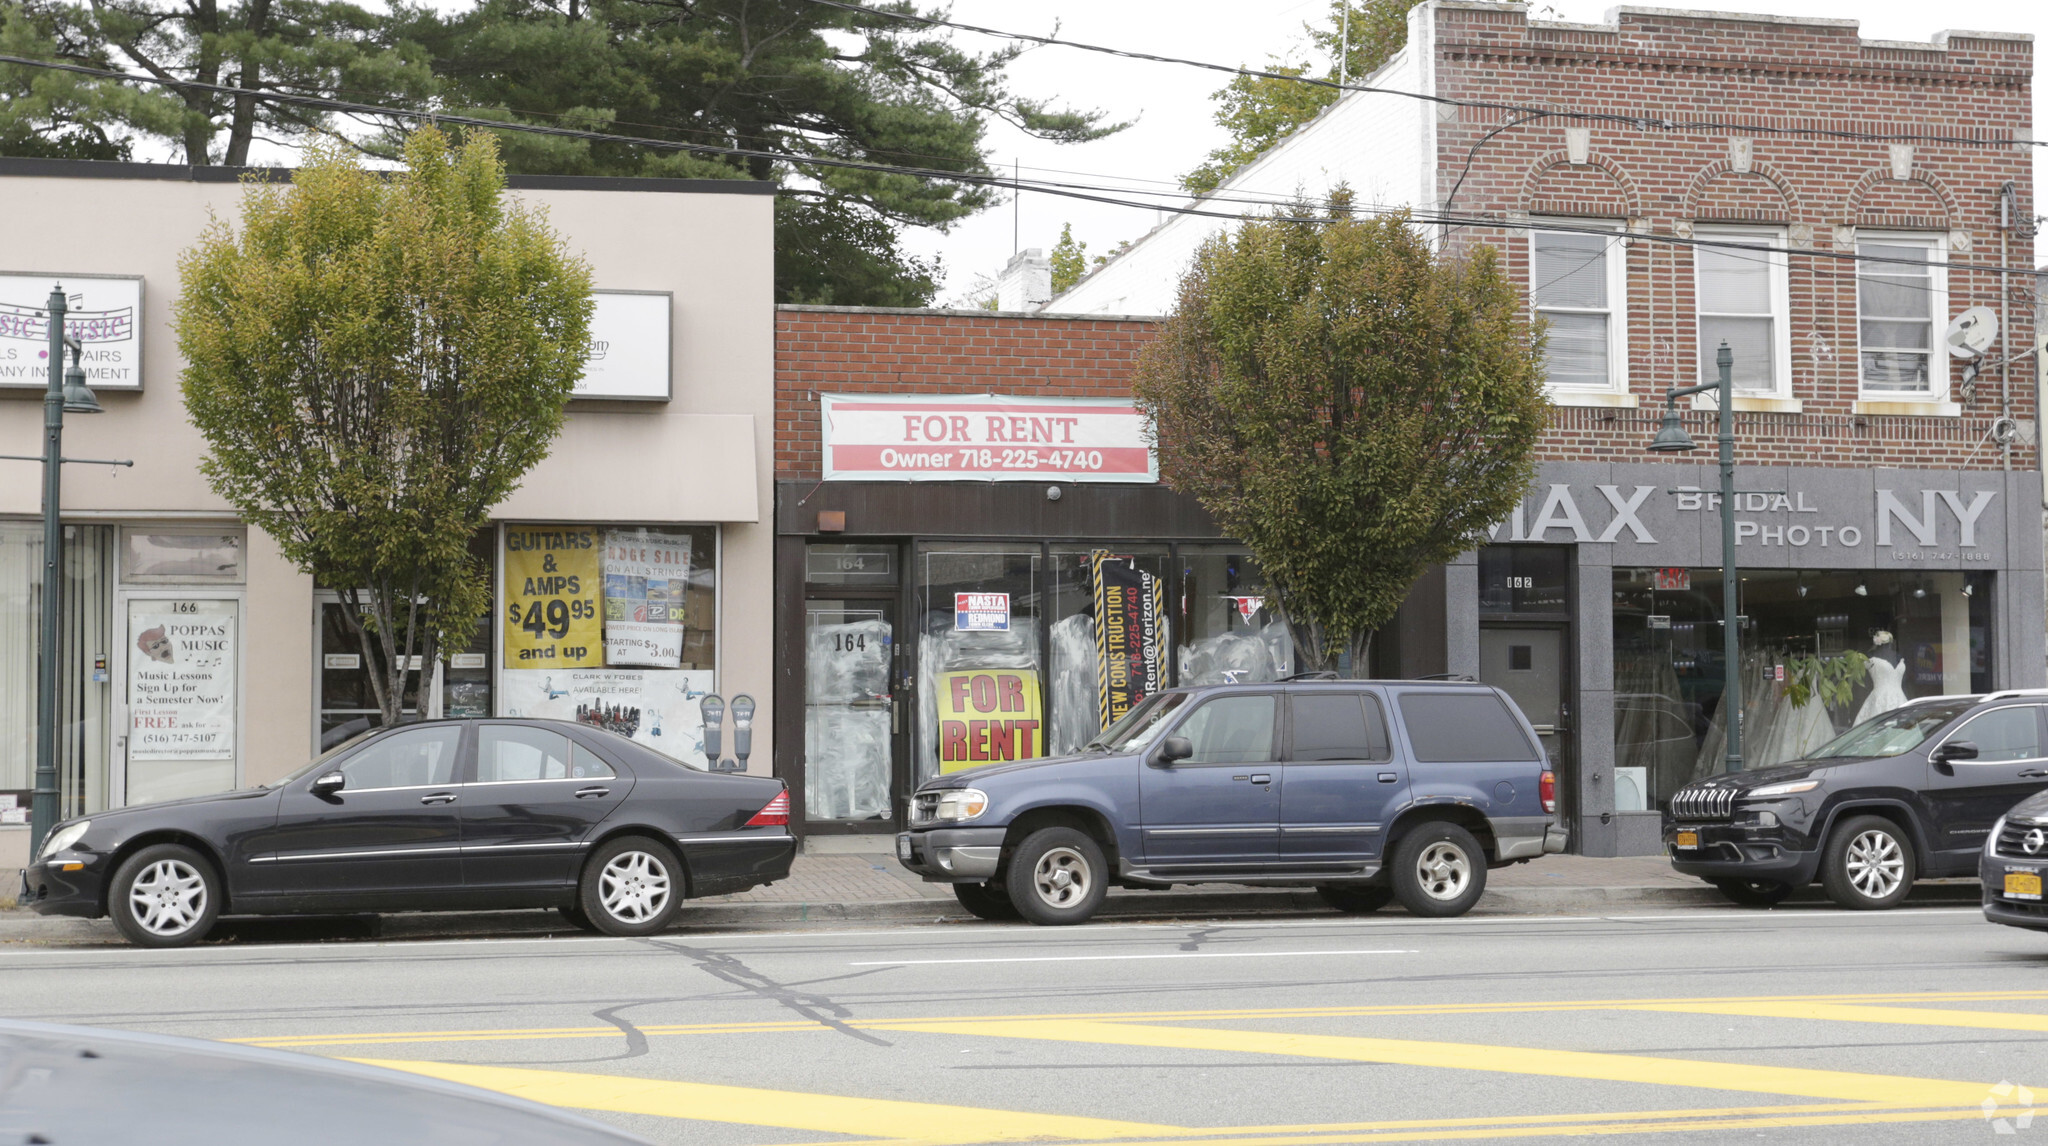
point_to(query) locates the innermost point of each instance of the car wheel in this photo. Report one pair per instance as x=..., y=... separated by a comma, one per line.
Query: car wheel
x=1358, y=899
x=1438, y=870
x=165, y=895
x=1754, y=892
x=573, y=915
x=1869, y=865
x=631, y=886
x=986, y=900
x=1057, y=876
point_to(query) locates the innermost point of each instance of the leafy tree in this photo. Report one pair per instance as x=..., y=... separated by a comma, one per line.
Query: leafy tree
x=375, y=363
x=1350, y=405
x=323, y=48
x=1069, y=260
x=1260, y=111
x=777, y=76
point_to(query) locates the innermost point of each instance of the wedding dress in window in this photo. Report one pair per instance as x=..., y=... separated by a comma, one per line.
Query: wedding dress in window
x=1885, y=693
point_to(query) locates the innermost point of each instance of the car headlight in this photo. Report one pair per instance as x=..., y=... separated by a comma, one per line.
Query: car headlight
x=959, y=804
x=63, y=838
x=1788, y=788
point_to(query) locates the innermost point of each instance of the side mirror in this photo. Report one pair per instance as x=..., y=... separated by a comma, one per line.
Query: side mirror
x=1955, y=750
x=328, y=783
x=1175, y=748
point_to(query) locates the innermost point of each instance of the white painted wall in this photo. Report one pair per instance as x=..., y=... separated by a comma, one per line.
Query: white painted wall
x=1375, y=144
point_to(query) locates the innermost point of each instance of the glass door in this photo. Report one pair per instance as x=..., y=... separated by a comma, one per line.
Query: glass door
x=850, y=712
x=182, y=696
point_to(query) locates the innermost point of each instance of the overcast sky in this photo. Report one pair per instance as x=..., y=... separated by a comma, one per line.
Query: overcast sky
x=1171, y=104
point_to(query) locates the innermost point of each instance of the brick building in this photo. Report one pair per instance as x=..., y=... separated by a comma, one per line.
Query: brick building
x=1824, y=204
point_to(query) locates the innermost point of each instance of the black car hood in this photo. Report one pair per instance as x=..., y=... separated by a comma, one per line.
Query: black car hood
x=210, y=798
x=2034, y=807
x=968, y=777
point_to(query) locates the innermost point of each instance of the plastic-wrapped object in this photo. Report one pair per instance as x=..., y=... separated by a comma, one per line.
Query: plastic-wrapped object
x=846, y=761
x=1248, y=656
x=1075, y=715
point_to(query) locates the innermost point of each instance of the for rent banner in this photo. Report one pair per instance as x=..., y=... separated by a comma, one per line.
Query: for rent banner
x=988, y=716
x=1130, y=611
x=985, y=437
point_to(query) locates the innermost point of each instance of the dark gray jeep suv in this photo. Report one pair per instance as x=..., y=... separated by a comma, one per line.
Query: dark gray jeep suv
x=1366, y=791
x=1909, y=794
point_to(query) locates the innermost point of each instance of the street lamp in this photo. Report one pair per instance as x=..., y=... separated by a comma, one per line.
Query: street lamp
x=1672, y=439
x=67, y=394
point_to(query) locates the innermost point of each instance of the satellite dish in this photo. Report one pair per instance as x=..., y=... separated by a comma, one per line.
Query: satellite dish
x=1971, y=333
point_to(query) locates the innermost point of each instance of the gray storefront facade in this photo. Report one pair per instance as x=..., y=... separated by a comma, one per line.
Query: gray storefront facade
x=1598, y=606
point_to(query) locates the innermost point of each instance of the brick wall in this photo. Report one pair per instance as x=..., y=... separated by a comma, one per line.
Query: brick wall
x=1723, y=80
x=859, y=350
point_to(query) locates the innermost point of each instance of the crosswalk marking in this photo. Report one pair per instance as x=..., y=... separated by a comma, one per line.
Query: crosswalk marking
x=788, y=1109
x=1799, y=1082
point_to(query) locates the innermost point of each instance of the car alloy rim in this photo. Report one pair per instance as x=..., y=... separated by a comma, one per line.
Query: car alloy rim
x=633, y=887
x=1443, y=870
x=168, y=897
x=1061, y=877
x=1876, y=865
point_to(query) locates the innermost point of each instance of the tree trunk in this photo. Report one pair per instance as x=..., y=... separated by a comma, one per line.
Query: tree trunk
x=242, y=124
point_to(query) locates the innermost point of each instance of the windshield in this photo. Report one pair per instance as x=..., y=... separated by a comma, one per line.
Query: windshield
x=324, y=757
x=1140, y=726
x=1900, y=730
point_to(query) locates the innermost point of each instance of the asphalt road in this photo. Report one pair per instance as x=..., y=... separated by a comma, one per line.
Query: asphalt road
x=1711, y=1025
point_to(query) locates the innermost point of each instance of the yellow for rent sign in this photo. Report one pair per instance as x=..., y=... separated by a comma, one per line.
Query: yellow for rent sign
x=553, y=590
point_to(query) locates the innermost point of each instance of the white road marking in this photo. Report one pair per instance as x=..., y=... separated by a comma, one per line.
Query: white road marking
x=1155, y=955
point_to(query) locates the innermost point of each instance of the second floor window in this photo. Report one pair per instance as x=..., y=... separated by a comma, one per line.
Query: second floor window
x=1742, y=302
x=1896, y=301
x=1573, y=285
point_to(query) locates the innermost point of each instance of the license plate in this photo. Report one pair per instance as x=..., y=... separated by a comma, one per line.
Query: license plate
x=2023, y=885
x=903, y=847
x=1687, y=840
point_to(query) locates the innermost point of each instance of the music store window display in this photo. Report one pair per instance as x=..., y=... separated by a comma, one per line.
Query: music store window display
x=613, y=626
x=1822, y=651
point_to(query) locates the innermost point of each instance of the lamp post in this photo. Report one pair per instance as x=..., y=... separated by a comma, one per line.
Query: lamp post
x=67, y=394
x=1672, y=439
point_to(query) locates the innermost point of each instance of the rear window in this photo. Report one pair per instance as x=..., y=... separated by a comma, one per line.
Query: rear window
x=1337, y=726
x=1462, y=728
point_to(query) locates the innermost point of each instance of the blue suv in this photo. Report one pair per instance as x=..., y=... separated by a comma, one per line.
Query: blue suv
x=1367, y=791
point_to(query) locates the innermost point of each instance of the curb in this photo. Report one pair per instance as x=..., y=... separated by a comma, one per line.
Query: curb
x=22, y=927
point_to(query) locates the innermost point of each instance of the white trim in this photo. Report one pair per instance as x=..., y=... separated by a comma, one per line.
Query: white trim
x=1615, y=258
x=1781, y=309
x=1936, y=396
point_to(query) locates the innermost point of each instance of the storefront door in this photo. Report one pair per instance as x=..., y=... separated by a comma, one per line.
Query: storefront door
x=851, y=715
x=1529, y=664
x=181, y=696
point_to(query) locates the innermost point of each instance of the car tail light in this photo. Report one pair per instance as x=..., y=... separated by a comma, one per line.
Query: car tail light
x=776, y=813
x=1546, y=788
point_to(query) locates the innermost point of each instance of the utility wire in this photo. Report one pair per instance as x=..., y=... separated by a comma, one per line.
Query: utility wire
x=1073, y=191
x=1640, y=122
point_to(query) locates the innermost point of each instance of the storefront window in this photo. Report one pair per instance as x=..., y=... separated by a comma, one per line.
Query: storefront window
x=1123, y=612
x=1229, y=625
x=84, y=672
x=1821, y=652
x=613, y=626
x=978, y=660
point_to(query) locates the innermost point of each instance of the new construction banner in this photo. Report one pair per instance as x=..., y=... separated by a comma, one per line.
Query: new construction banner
x=1130, y=625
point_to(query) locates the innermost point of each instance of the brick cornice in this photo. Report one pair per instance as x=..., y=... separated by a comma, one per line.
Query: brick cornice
x=1537, y=55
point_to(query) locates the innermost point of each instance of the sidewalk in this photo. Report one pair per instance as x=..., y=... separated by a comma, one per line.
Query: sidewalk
x=853, y=887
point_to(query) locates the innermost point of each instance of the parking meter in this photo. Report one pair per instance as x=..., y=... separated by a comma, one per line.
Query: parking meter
x=713, y=708
x=742, y=728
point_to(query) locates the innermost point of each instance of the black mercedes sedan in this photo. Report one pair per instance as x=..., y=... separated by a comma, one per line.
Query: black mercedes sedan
x=448, y=815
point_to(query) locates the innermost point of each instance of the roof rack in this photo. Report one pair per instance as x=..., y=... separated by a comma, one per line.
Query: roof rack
x=2009, y=693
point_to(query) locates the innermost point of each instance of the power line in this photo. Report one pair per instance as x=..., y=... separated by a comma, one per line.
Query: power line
x=1639, y=122
x=1081, y=192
